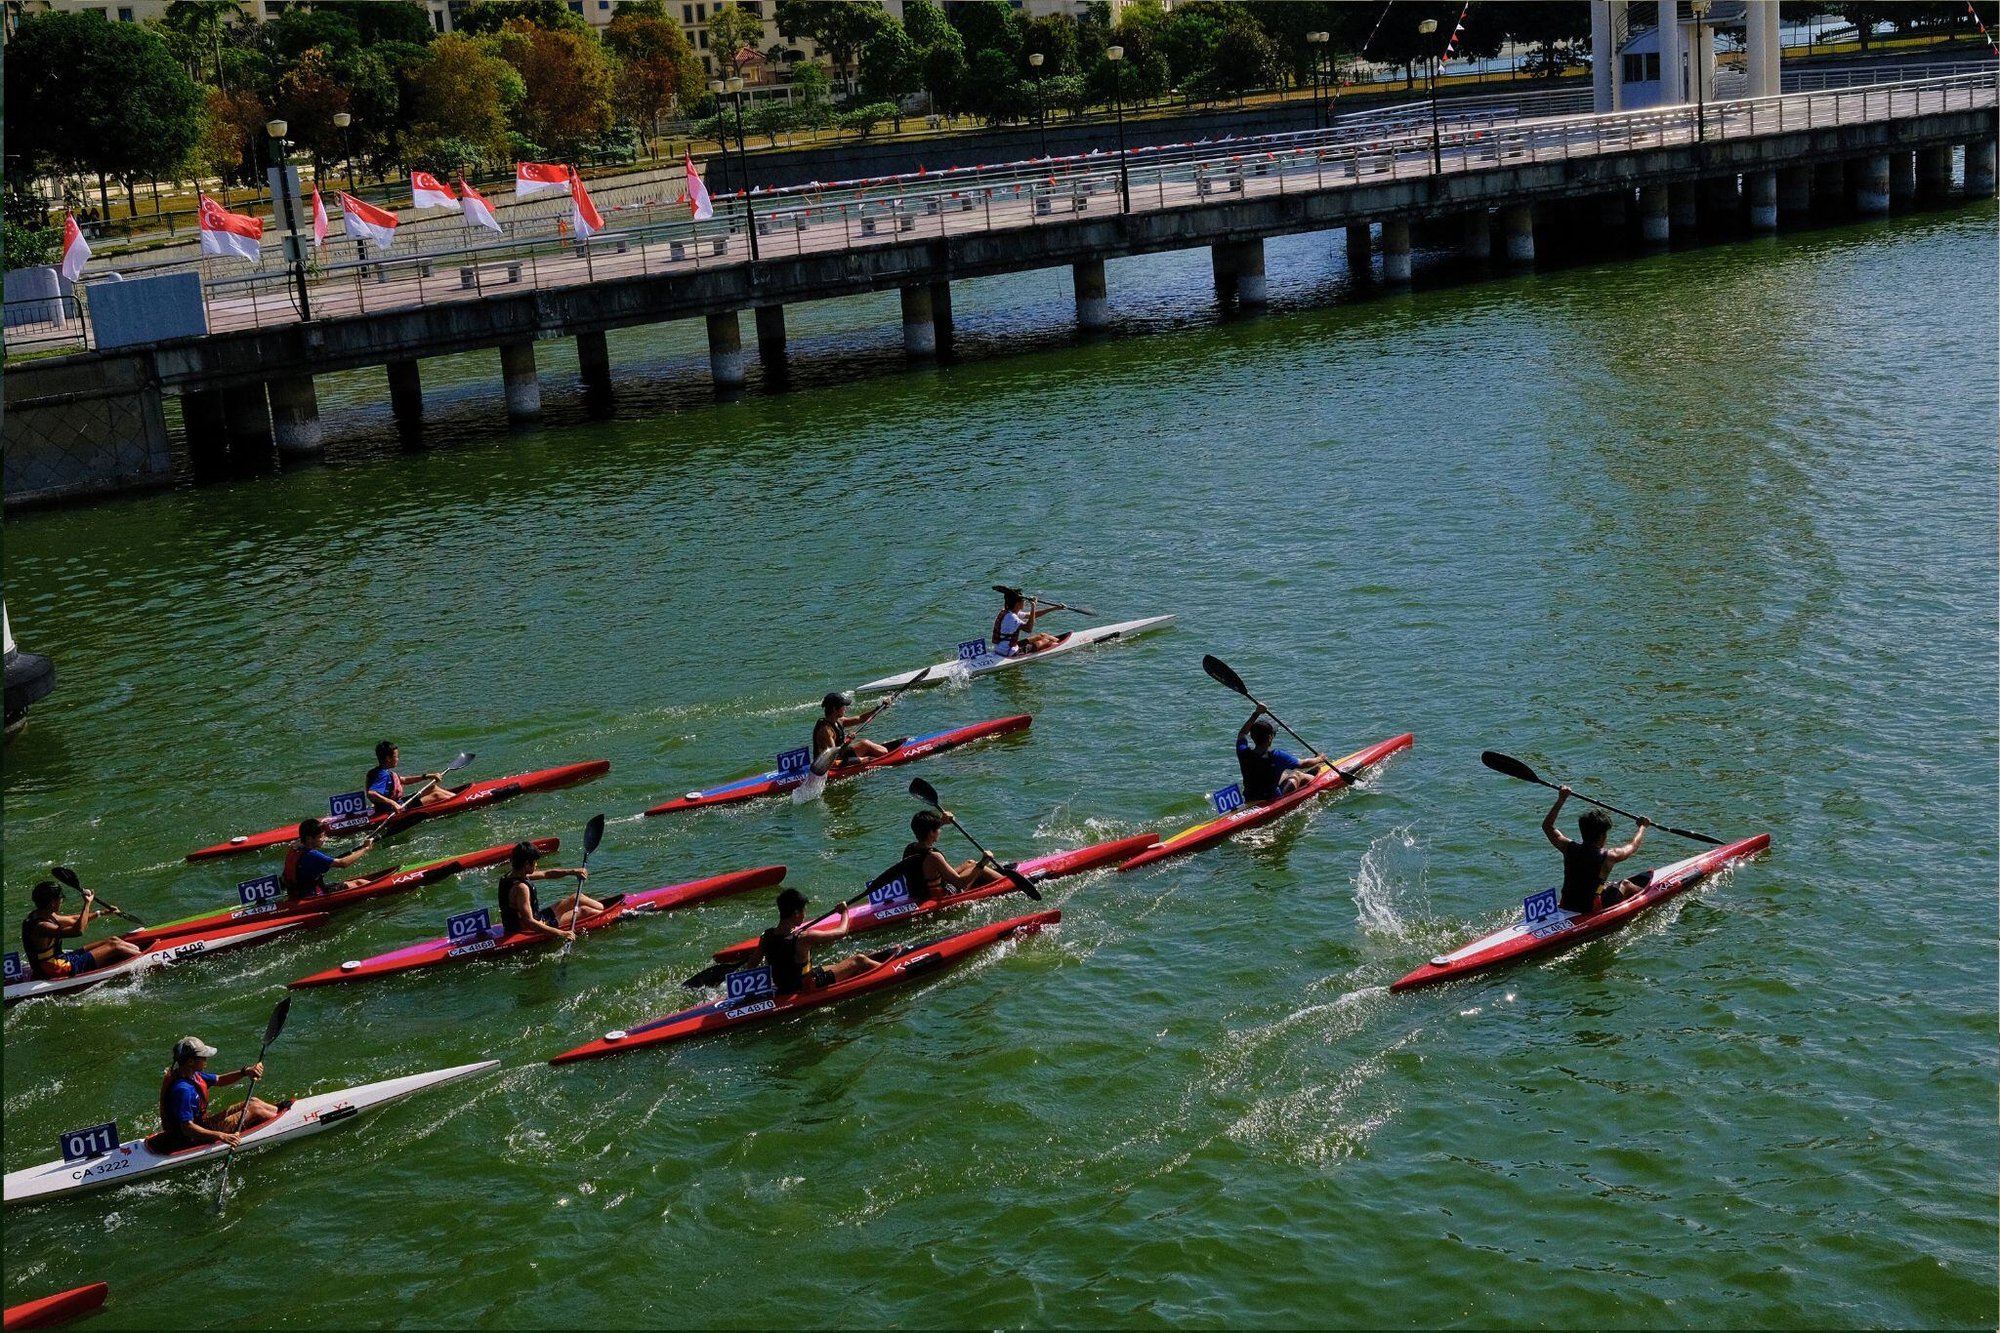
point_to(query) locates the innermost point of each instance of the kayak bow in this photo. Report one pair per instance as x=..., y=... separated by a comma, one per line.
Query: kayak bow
x=431, y=953
x=1564, y=929
x=959, y=668
x=906, y=962
x=162, y=953
x=472, y=797
x=57, y=1309
x=1250, y=816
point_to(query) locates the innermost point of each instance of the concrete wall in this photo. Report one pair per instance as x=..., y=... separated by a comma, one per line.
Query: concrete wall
x=87, y=425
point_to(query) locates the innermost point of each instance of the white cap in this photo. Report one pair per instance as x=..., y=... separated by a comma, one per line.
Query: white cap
x=191, y=1046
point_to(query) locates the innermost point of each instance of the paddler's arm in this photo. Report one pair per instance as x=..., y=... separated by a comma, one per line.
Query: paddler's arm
x=224, y=1080
x=832, y=932
x=366, y=844
x=1556, y=839
x=1243, y=732
x=535, y=923
x=1617, y=854
x=962, y=876
x=83, y=918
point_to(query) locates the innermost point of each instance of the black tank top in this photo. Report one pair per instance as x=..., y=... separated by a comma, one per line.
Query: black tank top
x=41, y=942
x=510, y=923
x=911, y=871
x=782, y=951
x=1584, y=871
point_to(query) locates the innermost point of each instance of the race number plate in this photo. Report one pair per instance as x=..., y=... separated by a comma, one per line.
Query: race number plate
x=970, y=649
x=347, y=809
x=468, y=926
x=80, y=1145
x=751, y=982
x=795, y=763
x=1541, y=908
x=1229, y=798
x=257, y=892
x=17, y=969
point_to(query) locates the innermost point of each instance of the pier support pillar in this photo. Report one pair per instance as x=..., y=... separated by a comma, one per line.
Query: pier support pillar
x=1795, y=192
x=942, y=328
x=919, y=332
x=1980, y=160
x=725, y=351
x=207, y=429
x=1762, y=187
x=771, y=339
x=524, y=387
x=1613, y=212
x=1683, y=209
x=1933, y=175
x=249, y=420
x=1871, y=186
x=1250, y=285
x=406, y=392
x=1719, y=201
x=1475, y=235
x=1653, y=226
x=1396, y=251
x=1360, y=250
x=295, y=418
x=1093, y=304
x=1902, y=178
x=1222, y=267
x=593, y=364
x=1828, y=187
x=1517, y=222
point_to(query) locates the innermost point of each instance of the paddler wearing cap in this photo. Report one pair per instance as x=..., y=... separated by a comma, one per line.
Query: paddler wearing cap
x=44, y=929
x=787, y=948
x=187, y=1120
x=521, y=910
x=834, y=732
x=1014, y=628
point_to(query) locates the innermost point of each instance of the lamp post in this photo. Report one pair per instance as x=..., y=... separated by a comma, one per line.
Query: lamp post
x=343, y=122
x=718, y=87
x=735, y=86
x=1700, y=8
x=1035, y=59
x=1116, y=55
x=1429, y=28
x=1316, y=41
x=276, y=129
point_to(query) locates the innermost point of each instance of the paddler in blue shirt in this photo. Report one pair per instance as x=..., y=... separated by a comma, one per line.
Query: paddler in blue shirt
x=1267, y=772
x=44, y=929
x=1587, y=861
x=385, y=785
x=834, y=732
x=521, y=910
x=1014, y=629
x=304, y=875
x=925, y=871
x=186, y=1118
x=787, y=949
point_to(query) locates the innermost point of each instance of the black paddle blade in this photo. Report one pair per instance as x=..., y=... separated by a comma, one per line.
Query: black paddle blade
x=66, y=875
x=1021, y=881
x=465, y=758
x=277, y=1023
x=711, y=975
x=1219, y=671
x=924, y=792
x=593, y=833
x=1508, y=764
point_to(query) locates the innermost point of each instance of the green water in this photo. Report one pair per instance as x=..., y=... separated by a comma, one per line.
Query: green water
x=1710, y=534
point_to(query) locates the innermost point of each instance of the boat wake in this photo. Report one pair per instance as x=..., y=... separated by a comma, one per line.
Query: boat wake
x=1393, y=859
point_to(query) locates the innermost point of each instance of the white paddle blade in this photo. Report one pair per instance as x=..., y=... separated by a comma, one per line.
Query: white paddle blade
x=810, y=789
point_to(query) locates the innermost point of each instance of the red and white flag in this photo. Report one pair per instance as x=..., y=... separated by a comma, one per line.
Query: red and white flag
x=319, y=220
x=430, y=192
x=364, y=222
x=695, y=192
x=583, y=214
x=475, y=206
x=227, y=233
x=75, y=249
x=539, y=178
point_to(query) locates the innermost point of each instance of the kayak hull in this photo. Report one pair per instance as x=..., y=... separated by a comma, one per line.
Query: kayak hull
x=1567, y=929
x=474, y=796
x=957, y=669
x=307, y=1115
x=434, y=953
x=1251, y=816
x=162, y=953
x=907, y=963
x=57, y=1309
x=399, y=879
x=775, y=784
x=869, y=916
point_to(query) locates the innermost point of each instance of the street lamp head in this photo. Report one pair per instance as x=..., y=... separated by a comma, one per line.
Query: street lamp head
x=1316, y=37
x=1427, y=27
x=735, y=84
x=276, y=128
x=1701, y=7
x=717, y=86
x=1114, y=53
x=341, y=120
x=1035, y=59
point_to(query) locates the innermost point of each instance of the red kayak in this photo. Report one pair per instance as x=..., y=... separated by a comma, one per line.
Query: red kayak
x=471, y=797
x=1250, y=816
x=57, y=1309
x=396, y=879
x=775, y=783
x=1559, y=929
x=900, y=911
x=431, y=953
x=906, y=962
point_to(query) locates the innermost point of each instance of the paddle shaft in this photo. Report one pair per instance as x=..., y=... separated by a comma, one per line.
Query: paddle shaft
x=1223, y=674
x=1514, y=768
x=271, y=1031
x=67, y=876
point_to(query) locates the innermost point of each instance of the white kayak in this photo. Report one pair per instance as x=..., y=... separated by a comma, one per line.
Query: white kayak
x=307, y=1115
x=161, y=953
x=978, y=663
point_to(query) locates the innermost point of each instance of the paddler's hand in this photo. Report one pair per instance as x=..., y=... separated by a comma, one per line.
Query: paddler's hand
x=582, y=873
x=254, y=1071
x=1645, y=822
x=569, y=935
x=1563, y=792
x=89, y=896
x=233, y=1140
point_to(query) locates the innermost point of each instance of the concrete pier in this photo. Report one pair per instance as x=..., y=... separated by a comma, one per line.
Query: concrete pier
x=725, y=351
x=248, y=418
x=207, y=429
x=1902, y=178
x=1475, y=235
x=1980, y=158
x=1719, y=202
x=406, y=392
x=771, y=339
x=942, y=328
x=1795, y=193
x=1517, y=223
x=1396, y=251
x=1871, y=187
x=919, y=330
x=1654, y=227
x=1360, y=251
x=295, y=418
x=593, y=366
x=1683, y=207
x=1093, y=303
x=1933, y=174
x=1829, y=188
x=1222, y=268
x=1614, y=212
x=1239, y=272
x=1762, y=189
x=524, y=386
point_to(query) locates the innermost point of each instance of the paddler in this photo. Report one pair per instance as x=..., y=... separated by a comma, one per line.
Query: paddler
x=1587, y=861
x=833, y=731
x=385, y=785
x=304, y=875
x=1014, y=629
x=925, y=871
x=787, y=949
x=521, y=910
x=44, y=929
x=186, y=1118
x=1269, y=772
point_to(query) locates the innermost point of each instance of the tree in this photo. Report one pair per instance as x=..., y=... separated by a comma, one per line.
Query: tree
x=297, y=31
x=988, y=25
x=1055, y=36
x=1554, y=27
x=193, y=31
x=731, y=28
x=891, y=66
x=770, y=118
x=1244, y=57
x=864, y=118
x=657, y=70
x=994, y=89
x=382, y=20
x=484, y=18
x=227, y=121
x=464, y=93
x=568, y=82
x=945, y=73
x=927, y=26
x=309, y=96
x=815, y=91
x=841, y=28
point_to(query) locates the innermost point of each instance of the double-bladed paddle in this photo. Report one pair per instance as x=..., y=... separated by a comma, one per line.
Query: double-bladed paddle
x=823, y=762
x=593, y=833
x=1514, y=768
x=926, y=793
x=271, y=1031
x=1003, y=590
x=67, y=876
x=387, y=826
x=1221, y=672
